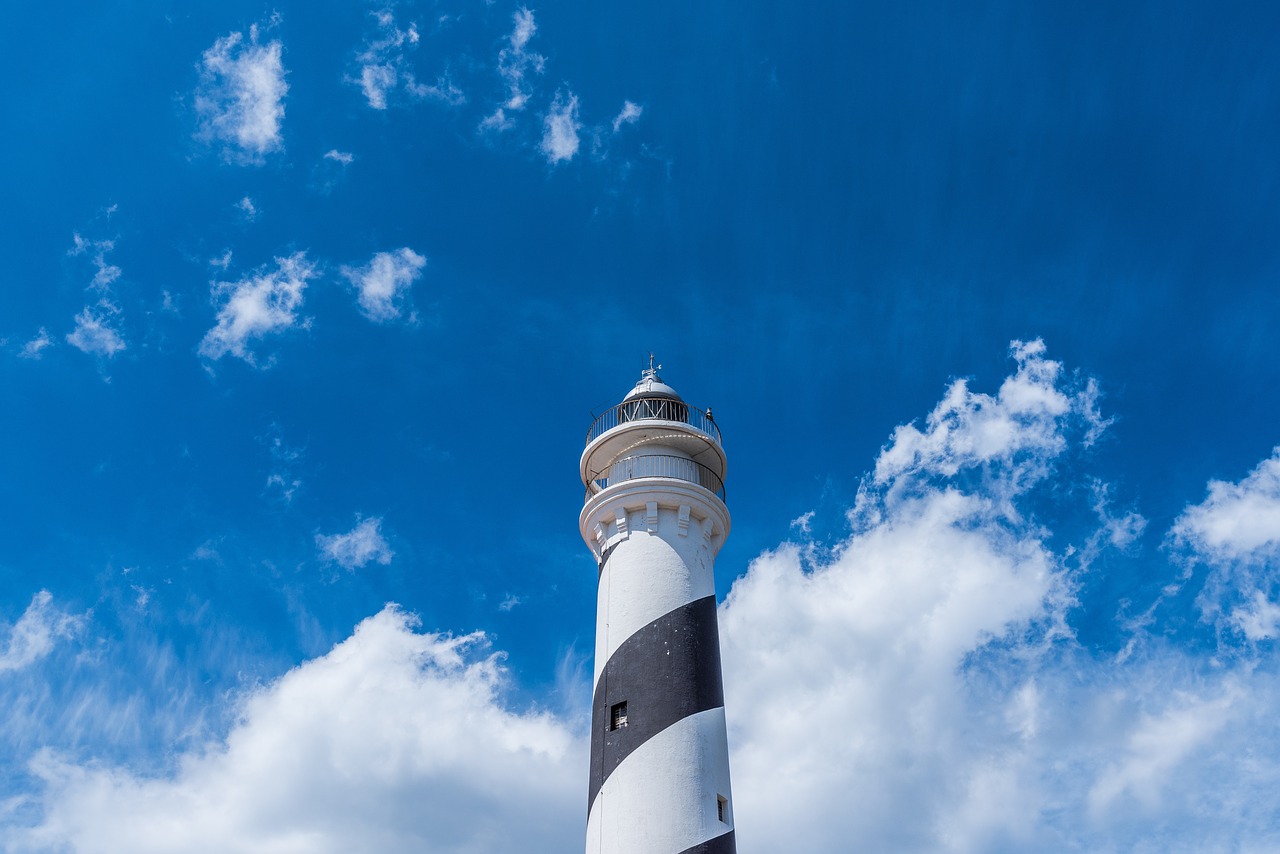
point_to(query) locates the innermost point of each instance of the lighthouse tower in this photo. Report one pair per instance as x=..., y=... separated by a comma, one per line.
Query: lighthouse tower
x=655, y=518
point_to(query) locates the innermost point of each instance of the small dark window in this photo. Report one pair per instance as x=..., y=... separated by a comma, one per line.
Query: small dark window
x=618, y=715
x=722, y=807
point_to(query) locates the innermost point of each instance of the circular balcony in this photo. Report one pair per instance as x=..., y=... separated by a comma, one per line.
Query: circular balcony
x=656, y=409
x=655, y=465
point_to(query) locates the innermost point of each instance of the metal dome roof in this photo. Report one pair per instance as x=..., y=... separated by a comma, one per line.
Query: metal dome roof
x=651, y=385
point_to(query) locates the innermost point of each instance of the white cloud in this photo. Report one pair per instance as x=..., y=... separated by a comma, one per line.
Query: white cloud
x=444, y=90
x=283, y=480
x=804, y=522
x=915, y=688
x=394, y=741
x=384, y=67
x=384, y=283
x=261, y=304
x=498, y=120
x=1021, y=422
x=382, y=59
x=1236, y=531
x=1156, y=747
x=39, y=628
x=240, y=96
x=357, y=547
x=509, y=603
x=247, y=209
x=104, y=273
x=33, y=348
x=629, y=115
x=561, y=126
x=1237, y=521
x=375, y=80
x=94, y=333
x=515, y=63
x=923, y=670
x=344, y=157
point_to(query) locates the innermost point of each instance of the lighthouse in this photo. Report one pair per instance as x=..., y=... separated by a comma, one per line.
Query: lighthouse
x=654, y=518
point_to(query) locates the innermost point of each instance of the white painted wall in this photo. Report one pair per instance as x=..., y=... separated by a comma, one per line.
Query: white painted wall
x=649, y=575
x=662, y=798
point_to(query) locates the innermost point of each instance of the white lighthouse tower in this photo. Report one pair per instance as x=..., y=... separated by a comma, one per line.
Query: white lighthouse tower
x=655, y=518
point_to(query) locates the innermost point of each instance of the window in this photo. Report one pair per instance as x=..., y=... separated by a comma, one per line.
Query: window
x=722, y=808
x=618, y=715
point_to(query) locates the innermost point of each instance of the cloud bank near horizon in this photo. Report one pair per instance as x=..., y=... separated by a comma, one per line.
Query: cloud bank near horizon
x=923, y=669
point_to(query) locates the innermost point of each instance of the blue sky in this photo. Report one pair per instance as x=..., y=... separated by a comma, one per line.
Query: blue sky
x=307, y=309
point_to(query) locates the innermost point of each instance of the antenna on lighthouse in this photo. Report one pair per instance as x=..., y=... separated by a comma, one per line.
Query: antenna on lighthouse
x=651, y=373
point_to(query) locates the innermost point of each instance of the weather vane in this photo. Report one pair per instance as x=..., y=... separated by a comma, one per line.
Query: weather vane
x=650, y=373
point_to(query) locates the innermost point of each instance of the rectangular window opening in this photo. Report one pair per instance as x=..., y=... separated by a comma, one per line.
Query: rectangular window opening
x=618, y=715
x=722, y=807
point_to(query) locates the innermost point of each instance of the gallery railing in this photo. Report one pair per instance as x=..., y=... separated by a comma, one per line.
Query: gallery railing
x=656, y=465
x=662, y=409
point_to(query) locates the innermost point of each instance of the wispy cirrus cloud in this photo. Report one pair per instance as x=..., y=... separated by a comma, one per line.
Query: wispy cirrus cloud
x=516, y=63
x=239, y=100
x=330, y=170
x=34, y=348
x=96, y=329
x=382, y=60
x=36, y=633
x=361, y=545
x=546, y=121
x=283, y=480
x=264, y=303
x=105, y=273
x=383, y=285
x=247, y=209
x=628, y=115
x=384, y=67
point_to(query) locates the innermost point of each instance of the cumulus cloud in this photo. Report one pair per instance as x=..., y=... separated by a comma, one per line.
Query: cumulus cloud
x=344, y=158
x=39, y=628
x=247, y=209
x=35, y=347
x=357, y=547
x=239, y=100
x=261, y=304
x=94, y=333
x=384, y=283
x=917, y=687
x=396, y=740
x=628, y=115
x=1021, y=424
x=1237, y=521
x=560, y=128
x=1236, y=532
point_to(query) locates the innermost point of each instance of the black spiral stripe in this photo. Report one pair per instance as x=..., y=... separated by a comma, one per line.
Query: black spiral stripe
x=665, y=672
x=723, y=844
